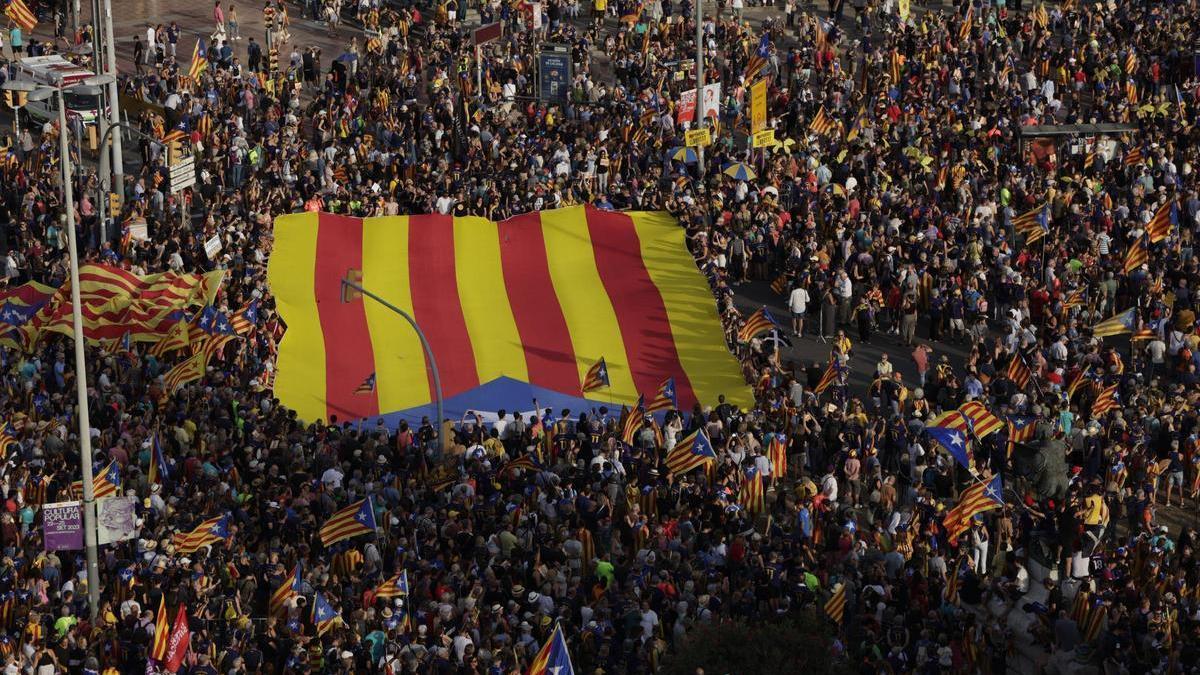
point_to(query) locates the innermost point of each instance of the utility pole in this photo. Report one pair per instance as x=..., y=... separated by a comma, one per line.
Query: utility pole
x=114, y=107
x=105, y=165
x=699, y=114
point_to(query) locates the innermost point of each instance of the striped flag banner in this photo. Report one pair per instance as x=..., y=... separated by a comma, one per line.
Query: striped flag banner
x=692, y=452
x=115, y=302
x=21, y=15
x=983, y=496
x=104, y=484
x=983, y=422
x=666, y=398
x=1119, y=324
x=211, y=531
x=289, y=589
x=357, y=518
x=535, y=300
x=394, y=587
x=835, y=607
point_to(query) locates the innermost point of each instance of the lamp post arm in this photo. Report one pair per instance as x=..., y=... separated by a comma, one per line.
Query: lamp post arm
x=437, y=380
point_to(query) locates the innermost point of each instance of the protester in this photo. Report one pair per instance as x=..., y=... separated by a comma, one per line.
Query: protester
x=891, y=202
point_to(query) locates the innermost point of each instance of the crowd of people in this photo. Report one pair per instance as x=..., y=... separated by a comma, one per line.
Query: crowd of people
x=900, y=204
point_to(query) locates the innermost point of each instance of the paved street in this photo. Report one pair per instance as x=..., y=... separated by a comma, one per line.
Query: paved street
x=195, y=20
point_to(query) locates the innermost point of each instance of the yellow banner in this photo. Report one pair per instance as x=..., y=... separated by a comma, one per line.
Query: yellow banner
x=758, y=106
x=764, y=138
x=697, y=138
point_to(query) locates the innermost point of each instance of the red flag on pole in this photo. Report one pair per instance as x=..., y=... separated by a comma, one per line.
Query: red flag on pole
x=181, y=639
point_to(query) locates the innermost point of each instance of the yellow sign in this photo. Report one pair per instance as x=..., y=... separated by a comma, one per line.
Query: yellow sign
x=697, y=138
x=764, y=138
x=902, y=8
x=758, y=106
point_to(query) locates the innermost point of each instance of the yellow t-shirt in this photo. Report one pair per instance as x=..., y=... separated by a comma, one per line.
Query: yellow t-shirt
x=1093, y=510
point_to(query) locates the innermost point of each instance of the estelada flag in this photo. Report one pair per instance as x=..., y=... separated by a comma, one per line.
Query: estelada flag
x=535, y=300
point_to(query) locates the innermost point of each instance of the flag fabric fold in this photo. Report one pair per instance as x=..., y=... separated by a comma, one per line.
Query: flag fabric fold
x=357, y=518
x=286, y=591
x=984, y=495
x=553, y=658
x=534, y=299
x=211, y=531
x=597, y=377
x=690, y=453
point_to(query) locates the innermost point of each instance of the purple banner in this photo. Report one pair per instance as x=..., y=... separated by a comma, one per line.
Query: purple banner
x=62, y=526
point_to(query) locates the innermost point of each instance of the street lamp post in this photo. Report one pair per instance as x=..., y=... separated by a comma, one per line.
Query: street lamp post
x=347, y=283
x=101, y=203
x=85, y=438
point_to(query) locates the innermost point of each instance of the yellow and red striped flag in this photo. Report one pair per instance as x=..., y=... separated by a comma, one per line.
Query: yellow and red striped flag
x=1131, y=61
x=114, y=302
x=983, y=496
x=823, y=124
x=1018, y=372
x=1074, y=299
x=1164, y=219
x=829, y=378
x=199, y=60
x=759, y=322
x=1119, y=324
x=530, y=300
x=951, y=419
x=1106, y=401
x=665, y=399
x=21, y=15
x=211, y=531
x=1078, y=381
x=690, y=453
x=289, y=589
x=190, y=369
x=395, y=586
x=752, y=496
x=968, y=22
x=982, y=421
x=104, y=484
x=777, y=453
x=162, y=631
x=1033, y=224
x=597, y=377
x=835, y=607
x=357, y=518
x=175, y=338
x=633, y=422
x=1137, y=255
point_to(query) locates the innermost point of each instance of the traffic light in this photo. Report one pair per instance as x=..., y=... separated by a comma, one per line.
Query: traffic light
x=15, y=99
x=114, y=205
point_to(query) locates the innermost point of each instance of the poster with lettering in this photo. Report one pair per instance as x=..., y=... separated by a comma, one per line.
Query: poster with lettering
x=116, y=519
x=62, y=526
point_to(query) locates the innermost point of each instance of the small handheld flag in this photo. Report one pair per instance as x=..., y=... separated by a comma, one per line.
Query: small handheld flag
x=597, y=376
x=357, y=518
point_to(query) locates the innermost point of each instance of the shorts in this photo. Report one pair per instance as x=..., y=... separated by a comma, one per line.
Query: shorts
x=799, y=315
x=1175, y=478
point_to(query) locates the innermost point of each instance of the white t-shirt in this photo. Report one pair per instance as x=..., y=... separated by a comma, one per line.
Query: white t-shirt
x=798, y=301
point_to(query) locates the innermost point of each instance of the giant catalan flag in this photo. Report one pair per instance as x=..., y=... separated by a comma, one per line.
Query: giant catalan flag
x=528, y=303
